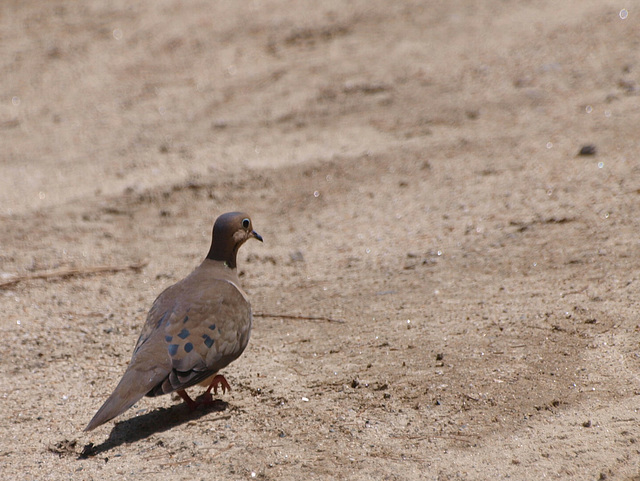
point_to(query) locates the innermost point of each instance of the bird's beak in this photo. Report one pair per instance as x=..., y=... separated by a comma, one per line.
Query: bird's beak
x=255, y=235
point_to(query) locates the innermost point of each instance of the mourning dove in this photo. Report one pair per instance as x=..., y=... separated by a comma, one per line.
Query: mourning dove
x=194, y=328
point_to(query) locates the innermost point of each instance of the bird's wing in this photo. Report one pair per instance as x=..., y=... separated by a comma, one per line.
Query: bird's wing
x=205, y=334
x=189, y=335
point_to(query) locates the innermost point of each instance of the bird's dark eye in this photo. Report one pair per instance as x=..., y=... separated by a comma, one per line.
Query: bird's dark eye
x=246, y=223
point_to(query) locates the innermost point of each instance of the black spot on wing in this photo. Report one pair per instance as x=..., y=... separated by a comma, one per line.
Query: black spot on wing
x=207, y=341
x=184, y=334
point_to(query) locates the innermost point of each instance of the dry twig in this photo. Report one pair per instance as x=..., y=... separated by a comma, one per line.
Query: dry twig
x=64, y=273
x=300, y=318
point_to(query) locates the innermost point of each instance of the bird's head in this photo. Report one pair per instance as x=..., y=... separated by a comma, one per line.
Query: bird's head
x=230, y=231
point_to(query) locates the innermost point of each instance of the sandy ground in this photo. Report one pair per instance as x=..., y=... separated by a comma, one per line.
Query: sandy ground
x=413, y=169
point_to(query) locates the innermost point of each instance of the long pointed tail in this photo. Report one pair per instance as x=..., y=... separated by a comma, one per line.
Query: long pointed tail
x=129, y=390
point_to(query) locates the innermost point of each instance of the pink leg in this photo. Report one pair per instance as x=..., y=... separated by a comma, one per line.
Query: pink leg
x=206, y=398
x=193, y=405
x=219, y=379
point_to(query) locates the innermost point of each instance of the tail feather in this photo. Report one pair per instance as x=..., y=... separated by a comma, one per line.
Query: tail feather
x=129, y=390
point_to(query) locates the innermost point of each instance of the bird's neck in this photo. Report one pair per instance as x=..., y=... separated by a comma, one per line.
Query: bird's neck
x=218, y=270
x=223, y=253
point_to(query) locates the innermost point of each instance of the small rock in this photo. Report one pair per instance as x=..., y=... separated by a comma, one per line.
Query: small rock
x=588, y=149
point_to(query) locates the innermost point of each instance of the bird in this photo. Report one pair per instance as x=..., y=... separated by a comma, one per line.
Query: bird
x=194, y=328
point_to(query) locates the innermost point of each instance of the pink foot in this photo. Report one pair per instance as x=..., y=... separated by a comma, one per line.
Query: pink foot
x=218, y=380
x=206, y=397
x=191, y=404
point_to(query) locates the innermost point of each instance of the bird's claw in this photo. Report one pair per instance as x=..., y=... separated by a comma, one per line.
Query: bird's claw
x=218, y=380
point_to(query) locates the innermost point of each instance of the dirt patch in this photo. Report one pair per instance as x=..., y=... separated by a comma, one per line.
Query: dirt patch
x=415, y=172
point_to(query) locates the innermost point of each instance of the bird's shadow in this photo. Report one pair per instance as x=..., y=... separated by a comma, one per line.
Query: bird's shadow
x=157, y=421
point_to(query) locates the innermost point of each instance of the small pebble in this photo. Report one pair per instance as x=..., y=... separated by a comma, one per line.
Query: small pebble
x=588, y=149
